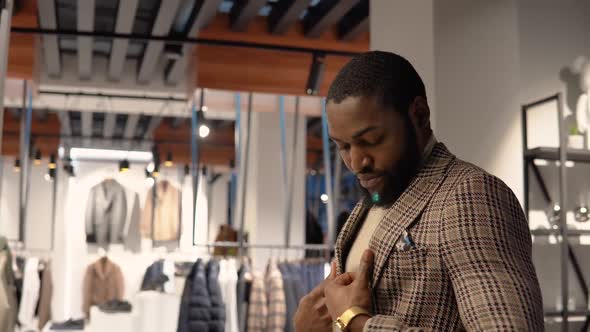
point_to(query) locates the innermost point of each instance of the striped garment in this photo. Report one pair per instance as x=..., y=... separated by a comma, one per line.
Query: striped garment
x=277, y=304
x=258, y=306
x=471, y=267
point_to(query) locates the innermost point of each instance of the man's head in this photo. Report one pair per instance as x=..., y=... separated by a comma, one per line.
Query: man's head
x=379, y=118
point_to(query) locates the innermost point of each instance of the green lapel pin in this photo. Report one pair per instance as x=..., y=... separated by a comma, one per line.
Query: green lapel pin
x=375, y=197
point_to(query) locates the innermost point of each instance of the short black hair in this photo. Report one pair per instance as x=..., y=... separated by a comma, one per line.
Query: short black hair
x=387, y=76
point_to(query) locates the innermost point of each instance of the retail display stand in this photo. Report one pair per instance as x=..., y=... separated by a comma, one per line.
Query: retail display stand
x=560, y=154
x=120, y=322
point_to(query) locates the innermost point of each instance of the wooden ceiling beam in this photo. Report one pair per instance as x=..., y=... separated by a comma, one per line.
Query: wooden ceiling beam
x=243, y=12
x=326, y=15
x=285, y=14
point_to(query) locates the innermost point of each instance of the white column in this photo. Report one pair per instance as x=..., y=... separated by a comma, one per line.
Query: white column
x=264, y=215
x=407, y=28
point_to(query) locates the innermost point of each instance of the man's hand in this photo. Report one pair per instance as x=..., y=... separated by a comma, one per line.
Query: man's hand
x=350, y=289
x=312, y=314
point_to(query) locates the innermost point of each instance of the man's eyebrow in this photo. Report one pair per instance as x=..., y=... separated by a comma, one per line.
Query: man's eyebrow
x=363, y=131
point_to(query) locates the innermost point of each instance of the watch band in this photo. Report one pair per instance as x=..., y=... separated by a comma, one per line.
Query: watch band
x=344, y=320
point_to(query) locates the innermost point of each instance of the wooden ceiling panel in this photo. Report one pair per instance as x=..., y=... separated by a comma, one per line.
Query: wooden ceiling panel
x=21, y=53
x=47, y=127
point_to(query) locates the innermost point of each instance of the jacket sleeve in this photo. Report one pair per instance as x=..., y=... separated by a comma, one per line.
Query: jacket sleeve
x=121, y=214
x=89, y=217
x=486, y=248
x=120, y=284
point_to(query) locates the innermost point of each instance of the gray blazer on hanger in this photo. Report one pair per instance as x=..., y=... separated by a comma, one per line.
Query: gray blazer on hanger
x=106, y=213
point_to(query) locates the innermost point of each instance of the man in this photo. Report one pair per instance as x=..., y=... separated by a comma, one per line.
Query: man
x=437, y=244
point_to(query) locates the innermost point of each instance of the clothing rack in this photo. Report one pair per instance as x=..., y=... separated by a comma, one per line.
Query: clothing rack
x=225, y=244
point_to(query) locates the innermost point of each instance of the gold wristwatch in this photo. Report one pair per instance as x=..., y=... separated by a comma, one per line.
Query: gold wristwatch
x=342, y=322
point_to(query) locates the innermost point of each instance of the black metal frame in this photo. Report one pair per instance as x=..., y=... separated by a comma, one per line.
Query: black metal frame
x=174, y=40
x=561, y=154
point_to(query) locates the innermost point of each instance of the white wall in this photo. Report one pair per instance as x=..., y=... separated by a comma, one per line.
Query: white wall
x=39, y=219
x=406, y=28
x=477, y=80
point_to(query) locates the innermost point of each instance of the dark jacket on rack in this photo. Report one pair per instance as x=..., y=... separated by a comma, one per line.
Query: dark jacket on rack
x=217, y=322
x=199, y=310
x=106, y=213
x=154, y=277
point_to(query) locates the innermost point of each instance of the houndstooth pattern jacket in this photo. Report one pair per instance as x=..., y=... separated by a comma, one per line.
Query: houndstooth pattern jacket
x=471, y=269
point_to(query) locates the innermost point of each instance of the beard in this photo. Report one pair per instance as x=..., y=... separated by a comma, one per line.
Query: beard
x=396, y=180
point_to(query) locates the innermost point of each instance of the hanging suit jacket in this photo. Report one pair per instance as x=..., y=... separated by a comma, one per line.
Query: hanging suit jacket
x=471, y=267
x=103, y=281
x=166, y=213
x=106, y=213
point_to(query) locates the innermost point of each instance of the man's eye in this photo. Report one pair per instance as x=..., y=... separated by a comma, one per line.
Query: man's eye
x=344, y=147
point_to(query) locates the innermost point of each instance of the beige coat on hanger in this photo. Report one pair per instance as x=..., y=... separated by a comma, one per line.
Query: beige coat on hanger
x=167, y=213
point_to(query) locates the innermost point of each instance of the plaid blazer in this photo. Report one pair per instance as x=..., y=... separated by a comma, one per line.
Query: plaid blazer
x=471, y=269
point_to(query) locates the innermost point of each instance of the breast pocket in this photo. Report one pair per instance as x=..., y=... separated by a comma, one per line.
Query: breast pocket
x=402, y=281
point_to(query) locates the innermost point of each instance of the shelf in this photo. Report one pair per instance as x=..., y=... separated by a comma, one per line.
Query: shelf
x=546, y=232
x=581, y=156
x=571, y=314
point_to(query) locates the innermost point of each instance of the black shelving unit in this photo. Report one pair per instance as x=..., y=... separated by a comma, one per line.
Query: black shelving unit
x=561, y=154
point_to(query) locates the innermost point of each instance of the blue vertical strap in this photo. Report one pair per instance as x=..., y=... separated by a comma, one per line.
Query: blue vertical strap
x=237, y=159
x=195, y=162
x=328, y=174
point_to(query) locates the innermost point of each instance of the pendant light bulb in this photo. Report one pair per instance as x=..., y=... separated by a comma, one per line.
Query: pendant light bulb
x=124, y=166
x=17, y=165
x=37, y=157
x=52, y=162
x=168, y=162
x=204, y=131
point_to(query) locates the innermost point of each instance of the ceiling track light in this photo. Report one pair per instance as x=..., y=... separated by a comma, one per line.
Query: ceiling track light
x=316, y=74
x=168, y=162
x=16, y=165
x=37, y=160
x=52, y=162
x=124, y=166
x=156, y=172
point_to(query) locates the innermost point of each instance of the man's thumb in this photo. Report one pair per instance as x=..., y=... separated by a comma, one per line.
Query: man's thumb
x=365, y=268
x=332, y=274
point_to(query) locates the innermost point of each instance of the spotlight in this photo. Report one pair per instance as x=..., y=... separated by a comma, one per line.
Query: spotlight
x=17, y=165
x=150, y=167
x=316, y=73
x=50, y=175
x=582, y=214
x=156, y=171
x=324, y=198
x=149, y=182
x=52, y=162
x=168, y=162
x=37, y=157
x=204, y=108
x=187, y=170
x=204, y=131
x=124, y=166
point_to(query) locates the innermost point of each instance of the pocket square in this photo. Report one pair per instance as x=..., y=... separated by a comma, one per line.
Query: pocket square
x=405, y=242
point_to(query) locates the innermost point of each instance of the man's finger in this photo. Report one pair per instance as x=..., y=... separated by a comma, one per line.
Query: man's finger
x=345, y=279
x=365, y=269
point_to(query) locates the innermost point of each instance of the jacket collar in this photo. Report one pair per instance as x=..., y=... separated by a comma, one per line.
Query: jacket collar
x=400, y=215
x=102, y=267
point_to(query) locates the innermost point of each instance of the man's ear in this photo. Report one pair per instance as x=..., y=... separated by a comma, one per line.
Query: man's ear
x=420, y=114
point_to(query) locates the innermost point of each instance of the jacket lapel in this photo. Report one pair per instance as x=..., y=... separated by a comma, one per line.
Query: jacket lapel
x=408, y=207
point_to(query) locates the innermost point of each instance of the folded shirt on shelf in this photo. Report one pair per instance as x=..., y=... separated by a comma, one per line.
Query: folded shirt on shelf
x=115, y=306
x=68, y=325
